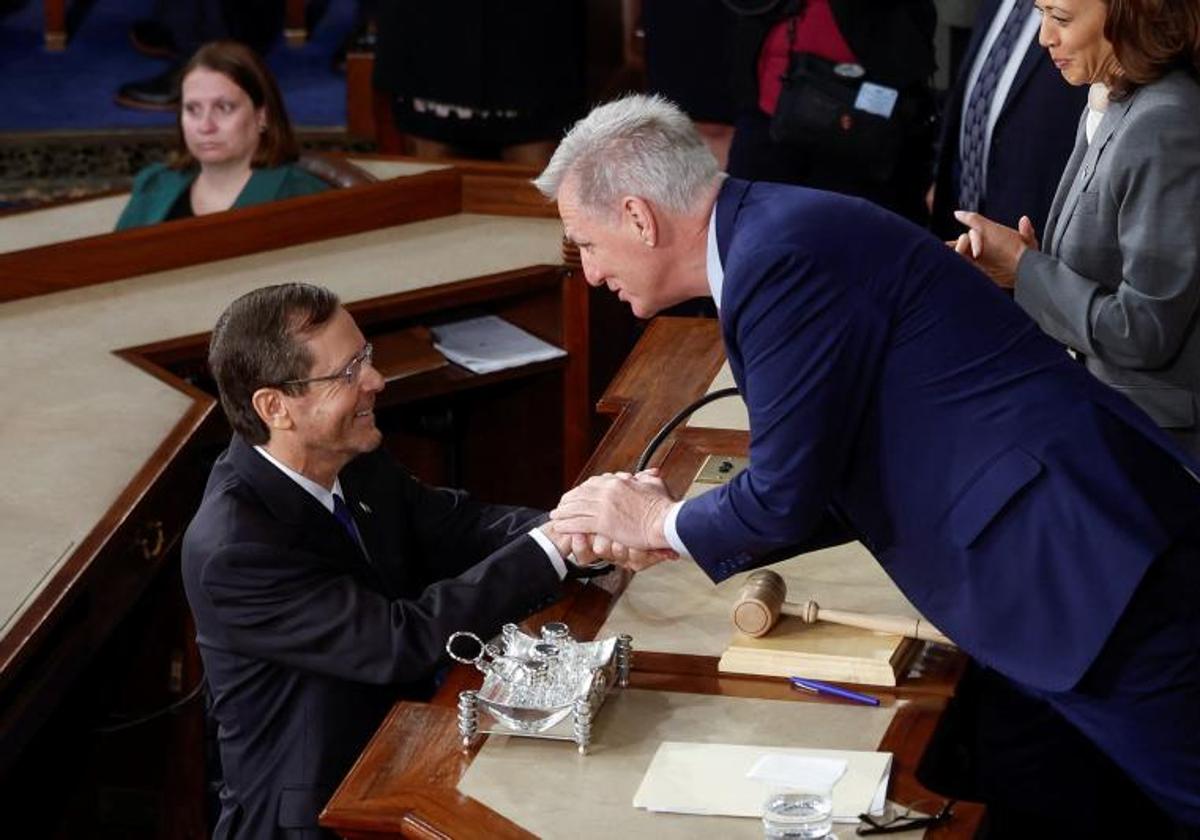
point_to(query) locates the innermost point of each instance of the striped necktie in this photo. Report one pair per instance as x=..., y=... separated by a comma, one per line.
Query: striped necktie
x=975, y=121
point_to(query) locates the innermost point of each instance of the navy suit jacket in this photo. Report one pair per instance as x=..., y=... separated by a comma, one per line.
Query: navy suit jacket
x=897, y=396
x=1030, y=142
x=306, y=643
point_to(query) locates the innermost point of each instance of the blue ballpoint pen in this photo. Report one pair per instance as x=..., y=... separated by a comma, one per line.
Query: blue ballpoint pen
x=818, y=687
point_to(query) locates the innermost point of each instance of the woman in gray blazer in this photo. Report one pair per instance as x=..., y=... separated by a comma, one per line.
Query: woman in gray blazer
x=1117, y=278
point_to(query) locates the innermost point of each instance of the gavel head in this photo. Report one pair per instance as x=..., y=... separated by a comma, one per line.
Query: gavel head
x=757, y=607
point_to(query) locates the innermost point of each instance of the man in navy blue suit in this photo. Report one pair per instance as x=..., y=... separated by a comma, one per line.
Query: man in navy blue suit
x=1025, y=99
x=1034, y=515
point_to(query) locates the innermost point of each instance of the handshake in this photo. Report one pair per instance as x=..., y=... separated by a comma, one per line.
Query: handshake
x=617, y=517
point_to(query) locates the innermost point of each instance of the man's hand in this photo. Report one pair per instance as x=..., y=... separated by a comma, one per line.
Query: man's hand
x=566, y=544
x=590, y=550
x=996, y=249
x=633, y=559
x=617, y=508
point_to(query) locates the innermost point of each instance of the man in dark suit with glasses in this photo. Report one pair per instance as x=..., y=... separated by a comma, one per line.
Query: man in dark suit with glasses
x=325, y=579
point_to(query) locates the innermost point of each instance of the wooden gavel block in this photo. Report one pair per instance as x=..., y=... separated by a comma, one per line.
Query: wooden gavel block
x=764, y=598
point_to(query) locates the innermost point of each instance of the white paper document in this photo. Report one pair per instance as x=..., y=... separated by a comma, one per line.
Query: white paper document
x=803, y=772
x=692, y=778
x=489, y=343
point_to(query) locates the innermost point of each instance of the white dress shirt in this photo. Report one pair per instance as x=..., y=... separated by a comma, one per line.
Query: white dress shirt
x=1097, y=105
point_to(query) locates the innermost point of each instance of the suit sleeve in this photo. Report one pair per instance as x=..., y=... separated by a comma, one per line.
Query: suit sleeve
x=1144, y=321
x=453, y=531
x=811, y=345
x=301, y=610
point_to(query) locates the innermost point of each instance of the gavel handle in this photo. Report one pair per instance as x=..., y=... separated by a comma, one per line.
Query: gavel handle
x=898, y=625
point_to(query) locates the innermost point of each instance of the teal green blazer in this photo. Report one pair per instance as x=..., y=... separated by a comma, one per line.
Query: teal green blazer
x=156, y=188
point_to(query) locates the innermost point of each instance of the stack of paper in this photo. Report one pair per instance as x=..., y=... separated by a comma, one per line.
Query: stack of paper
x=714, y=779
x=489, y=343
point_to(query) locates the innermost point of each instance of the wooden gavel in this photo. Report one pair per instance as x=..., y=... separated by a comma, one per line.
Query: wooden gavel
x=764, y=598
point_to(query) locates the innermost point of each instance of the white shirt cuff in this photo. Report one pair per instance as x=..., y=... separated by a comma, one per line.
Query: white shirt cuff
x=556, y=559
x=672, y=535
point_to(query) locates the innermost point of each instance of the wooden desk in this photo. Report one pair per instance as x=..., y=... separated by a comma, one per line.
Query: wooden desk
x=404, y=784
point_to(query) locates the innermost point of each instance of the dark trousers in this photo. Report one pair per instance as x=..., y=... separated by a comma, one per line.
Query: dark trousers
x=192, y=23
x=1140, y=701
x=1121, y=750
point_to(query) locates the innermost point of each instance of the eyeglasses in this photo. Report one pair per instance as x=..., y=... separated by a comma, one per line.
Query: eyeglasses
x=893, y=823
x=346, y=376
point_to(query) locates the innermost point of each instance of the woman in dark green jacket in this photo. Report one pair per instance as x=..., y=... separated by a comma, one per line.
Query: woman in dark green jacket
x=235, y=144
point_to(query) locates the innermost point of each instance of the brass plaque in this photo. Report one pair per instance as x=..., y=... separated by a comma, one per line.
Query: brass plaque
x=716, y=469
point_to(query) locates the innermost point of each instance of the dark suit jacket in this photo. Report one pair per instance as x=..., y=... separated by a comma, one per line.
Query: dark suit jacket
x=306, y=644
x=893, y=388
x=1030, y=143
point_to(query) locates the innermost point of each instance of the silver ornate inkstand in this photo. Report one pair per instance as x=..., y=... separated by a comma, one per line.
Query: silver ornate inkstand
x=548, y=686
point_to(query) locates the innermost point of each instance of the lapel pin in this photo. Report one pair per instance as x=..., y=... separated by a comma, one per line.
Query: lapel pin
x=365, y=507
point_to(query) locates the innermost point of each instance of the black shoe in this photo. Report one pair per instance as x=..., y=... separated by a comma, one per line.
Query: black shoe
x=149, y=37
x=158, y=93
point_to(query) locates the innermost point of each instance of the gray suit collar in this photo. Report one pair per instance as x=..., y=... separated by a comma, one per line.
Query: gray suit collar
x=1081, y=168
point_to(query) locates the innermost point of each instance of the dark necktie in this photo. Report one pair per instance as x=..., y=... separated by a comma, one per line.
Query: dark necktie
x=979, y=106
x=342, y=513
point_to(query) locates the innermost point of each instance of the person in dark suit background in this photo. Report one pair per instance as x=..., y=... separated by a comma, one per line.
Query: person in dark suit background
x=1021, y=97
x=1036, y=516
x=324, y=579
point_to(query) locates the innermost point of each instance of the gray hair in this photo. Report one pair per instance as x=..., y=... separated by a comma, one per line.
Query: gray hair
x=637, y=145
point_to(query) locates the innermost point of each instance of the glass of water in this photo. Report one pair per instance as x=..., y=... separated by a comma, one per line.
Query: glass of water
x=797, y=814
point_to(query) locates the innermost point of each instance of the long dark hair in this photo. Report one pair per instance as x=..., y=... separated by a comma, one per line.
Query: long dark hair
x=242, y=66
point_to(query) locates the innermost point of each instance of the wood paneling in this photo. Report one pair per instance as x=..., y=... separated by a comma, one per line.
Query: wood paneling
x=278, y=224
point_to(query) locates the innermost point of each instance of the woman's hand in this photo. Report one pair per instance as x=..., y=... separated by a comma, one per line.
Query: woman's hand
x=994, y=248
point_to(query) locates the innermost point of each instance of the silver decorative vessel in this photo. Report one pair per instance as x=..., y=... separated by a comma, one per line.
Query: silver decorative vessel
x=545, y=686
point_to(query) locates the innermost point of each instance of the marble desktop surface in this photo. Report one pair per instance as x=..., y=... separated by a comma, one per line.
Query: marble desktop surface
x=547, y=788
x=76, y=220
x=78, y=422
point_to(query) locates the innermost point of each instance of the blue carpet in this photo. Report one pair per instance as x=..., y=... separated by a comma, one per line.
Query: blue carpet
x=73, y=90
